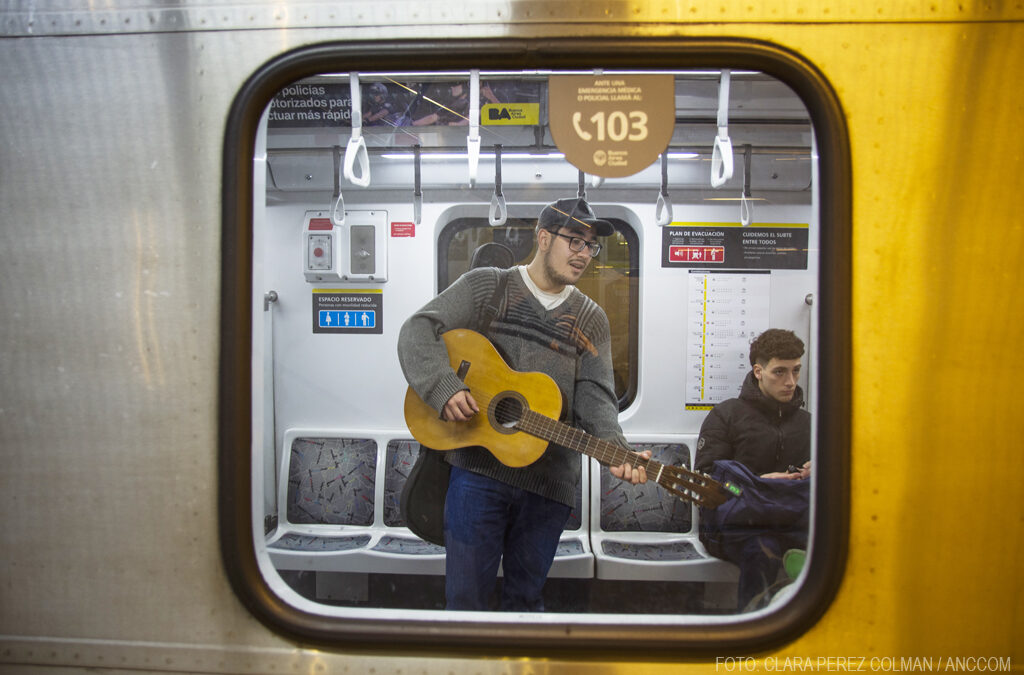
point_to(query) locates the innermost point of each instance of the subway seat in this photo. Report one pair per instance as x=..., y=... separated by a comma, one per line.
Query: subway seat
x=339, y=511
x=645, y=532
x=338, y=507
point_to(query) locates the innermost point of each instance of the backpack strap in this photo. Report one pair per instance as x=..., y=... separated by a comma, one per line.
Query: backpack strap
x=490, y=311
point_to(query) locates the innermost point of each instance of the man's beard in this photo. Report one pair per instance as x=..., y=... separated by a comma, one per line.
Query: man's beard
x=554, y=275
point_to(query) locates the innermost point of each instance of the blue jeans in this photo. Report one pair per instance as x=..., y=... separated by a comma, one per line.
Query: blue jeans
x=487, y=522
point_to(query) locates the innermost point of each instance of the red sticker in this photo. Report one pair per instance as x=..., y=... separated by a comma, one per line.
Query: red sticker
x=708, y=254
x=403, y=229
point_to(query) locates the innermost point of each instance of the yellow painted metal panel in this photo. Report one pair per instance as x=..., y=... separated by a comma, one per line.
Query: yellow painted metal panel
x=937, y=521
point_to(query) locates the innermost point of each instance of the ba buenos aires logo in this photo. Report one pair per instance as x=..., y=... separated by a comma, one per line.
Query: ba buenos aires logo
x=510, y=113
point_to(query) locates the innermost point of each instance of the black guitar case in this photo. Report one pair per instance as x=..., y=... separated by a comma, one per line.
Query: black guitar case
x=426, y=488
x=423, y=496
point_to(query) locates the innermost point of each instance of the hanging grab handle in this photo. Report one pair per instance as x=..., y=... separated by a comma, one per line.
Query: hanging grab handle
x=417, y=192
x=746, y=211
x=663, y=209
x=473, y=139
x=721, y=161
x=746, y=207
x=499, y=211
x=356, y=149
x=338, y=208
x=721, y=154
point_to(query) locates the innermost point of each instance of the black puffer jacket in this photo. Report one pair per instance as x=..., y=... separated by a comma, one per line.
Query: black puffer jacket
x=762, y=433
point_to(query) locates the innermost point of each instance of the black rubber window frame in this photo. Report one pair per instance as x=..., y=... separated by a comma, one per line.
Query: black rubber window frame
x=830, y=529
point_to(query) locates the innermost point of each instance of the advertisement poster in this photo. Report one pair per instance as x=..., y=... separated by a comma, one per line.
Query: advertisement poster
x=405, y=104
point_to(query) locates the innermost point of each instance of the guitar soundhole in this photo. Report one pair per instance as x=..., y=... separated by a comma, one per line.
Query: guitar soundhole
x=507, y=411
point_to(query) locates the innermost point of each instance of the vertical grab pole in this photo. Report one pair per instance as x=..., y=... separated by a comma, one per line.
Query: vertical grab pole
x=811, y=360
x=270, y=459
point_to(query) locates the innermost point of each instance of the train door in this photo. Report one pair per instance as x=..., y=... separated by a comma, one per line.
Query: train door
x=373, y=190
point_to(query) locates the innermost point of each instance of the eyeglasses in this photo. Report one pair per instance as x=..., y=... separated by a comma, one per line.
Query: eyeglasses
x=577, y=244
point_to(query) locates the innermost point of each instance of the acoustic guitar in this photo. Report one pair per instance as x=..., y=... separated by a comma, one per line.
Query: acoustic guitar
x=518, y=418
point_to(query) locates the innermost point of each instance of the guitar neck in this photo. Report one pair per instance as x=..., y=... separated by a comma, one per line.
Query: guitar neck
x=679, y=481
x=605, y=452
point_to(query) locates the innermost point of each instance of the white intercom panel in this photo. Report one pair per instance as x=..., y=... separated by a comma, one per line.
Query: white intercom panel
x=352, y=249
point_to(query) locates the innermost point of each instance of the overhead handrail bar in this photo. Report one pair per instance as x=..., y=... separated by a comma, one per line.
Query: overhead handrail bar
x=746, y=207
x=721, y=154
x=498, y=213
x=417, y=192
x=356, y=149
x=338, y=207
x=473, y=139
x=663, y=209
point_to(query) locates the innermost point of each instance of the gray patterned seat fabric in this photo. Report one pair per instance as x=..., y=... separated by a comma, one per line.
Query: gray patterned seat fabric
x=407, y=546
x=401, y=456
x=647, y=507
x=302, y=542
x=331, y=481
x=682, y=550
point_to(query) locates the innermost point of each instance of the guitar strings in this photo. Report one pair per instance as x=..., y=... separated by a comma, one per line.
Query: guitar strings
x=683, y=480
x=612, y=455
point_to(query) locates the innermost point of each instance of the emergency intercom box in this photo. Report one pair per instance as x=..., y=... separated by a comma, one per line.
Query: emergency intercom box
x=350, y=249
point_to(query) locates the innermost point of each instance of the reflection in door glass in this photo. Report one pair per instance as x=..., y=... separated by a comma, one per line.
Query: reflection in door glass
x=380, y=191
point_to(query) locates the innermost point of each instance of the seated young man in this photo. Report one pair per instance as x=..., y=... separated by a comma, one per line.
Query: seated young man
x=766, y=430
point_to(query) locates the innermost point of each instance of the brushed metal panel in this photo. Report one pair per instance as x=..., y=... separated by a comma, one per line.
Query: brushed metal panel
x=84, y=17
x=109, y=281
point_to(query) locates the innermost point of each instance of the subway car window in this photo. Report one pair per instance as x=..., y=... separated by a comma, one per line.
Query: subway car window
x=612, y=279
x=617, y=270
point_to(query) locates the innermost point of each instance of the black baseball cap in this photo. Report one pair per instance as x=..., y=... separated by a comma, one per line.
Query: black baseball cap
x=571, y=212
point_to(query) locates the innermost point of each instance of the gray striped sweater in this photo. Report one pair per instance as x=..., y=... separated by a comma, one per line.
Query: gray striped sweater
x=571, y=343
